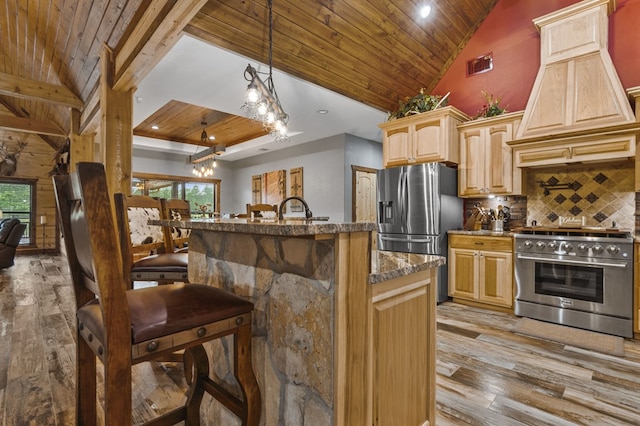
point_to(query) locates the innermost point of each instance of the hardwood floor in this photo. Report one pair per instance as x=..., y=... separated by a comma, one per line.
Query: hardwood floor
x=486, y=374
x=490, y=376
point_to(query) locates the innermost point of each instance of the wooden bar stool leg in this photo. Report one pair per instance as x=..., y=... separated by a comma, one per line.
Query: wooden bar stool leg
x=196, y=369
x=117, y=393
x=243, y=371
x=86, y=383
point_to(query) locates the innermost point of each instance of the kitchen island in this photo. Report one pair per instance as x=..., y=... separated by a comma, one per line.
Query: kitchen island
x=343, y=334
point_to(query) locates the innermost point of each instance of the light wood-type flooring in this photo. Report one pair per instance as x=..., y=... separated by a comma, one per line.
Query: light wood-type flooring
x=486, y=374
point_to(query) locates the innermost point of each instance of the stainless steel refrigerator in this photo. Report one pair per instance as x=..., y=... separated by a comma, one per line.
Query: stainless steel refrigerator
x=417, y=205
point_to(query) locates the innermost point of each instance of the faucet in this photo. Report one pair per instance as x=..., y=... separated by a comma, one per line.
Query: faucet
x=307, y=212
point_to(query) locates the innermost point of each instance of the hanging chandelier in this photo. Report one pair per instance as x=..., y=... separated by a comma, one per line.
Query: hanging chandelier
x=204, y=162
x=261, y=99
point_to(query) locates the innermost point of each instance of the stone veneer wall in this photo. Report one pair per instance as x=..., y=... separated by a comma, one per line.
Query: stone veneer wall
x=292, y=285
x=602, y=193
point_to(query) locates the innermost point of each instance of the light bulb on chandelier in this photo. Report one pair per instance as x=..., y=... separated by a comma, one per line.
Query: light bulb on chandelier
x=261, y=99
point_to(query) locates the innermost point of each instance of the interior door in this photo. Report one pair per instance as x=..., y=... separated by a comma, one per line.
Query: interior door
x=363, y=194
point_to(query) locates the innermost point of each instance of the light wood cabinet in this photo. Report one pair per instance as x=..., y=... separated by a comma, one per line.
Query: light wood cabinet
x=486, y=165
x=575, y=150
x=428, y=137
x=481, y=269
x=403, y=350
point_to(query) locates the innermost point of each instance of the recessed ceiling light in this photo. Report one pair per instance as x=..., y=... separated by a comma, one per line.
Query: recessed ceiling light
x=155, y=127
x=323, y=111
x=425, y=11
x=212, y=138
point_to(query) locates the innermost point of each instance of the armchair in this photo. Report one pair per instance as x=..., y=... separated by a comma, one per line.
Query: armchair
x=11, y=231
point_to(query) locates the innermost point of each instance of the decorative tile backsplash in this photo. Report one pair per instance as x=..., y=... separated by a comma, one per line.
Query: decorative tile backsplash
x=602, y=193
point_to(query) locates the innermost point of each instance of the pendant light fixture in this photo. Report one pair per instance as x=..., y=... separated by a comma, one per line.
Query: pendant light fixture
x=261, y=99
x=204, y=162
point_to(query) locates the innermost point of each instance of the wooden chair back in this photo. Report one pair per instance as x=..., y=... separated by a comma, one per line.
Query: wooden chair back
x=137, y=238
x=177, y=209
x=95, y=264
x=253, y=210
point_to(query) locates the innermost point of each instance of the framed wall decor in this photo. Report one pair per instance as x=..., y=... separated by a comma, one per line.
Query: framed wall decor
x=274, y=187
x=296, y=188
x=256, y=189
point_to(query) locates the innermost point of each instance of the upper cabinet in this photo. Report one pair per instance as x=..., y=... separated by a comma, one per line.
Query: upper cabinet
x=486, y=165
x=422, y=138
x=579, y=149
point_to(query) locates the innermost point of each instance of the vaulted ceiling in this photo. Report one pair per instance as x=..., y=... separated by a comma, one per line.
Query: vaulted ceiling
x=376, y=52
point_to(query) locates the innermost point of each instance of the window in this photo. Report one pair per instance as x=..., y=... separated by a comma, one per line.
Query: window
x=17, y=199
x=202, y=194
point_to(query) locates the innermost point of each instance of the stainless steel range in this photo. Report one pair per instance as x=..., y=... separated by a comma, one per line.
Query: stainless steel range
x=577, y=277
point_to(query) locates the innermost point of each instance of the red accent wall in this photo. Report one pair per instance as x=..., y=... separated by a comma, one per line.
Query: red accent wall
x=508, y=32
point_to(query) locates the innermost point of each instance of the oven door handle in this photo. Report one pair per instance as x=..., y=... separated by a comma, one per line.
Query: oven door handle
x=573, y=262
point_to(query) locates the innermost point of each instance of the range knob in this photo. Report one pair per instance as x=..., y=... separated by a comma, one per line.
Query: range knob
x=540, y=245
x=553, y=245
x=527, y=244
x=597, y=249
x=582, y=247
x=613, y=249
x=568, y=247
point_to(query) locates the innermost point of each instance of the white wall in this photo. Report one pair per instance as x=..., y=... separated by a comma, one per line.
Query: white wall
x=326, y=167
x=323, y=174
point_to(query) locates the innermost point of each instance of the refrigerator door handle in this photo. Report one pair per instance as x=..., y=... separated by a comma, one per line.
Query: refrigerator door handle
x=402, y=197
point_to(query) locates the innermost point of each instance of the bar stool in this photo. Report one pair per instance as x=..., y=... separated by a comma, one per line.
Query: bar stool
x=124, y=327
x=147, y=253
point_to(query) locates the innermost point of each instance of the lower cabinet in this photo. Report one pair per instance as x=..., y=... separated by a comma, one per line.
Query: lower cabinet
x=403, y=345
x=481, y=269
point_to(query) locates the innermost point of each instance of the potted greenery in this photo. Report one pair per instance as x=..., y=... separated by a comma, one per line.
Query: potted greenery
x=492, y=108
x=422, y=102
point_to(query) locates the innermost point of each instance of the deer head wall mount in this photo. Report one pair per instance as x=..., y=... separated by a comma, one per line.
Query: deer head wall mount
x=9, y=160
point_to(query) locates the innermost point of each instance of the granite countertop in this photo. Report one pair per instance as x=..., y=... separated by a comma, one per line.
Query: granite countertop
x=386, y=265
x=267, y=226
x=482, y=233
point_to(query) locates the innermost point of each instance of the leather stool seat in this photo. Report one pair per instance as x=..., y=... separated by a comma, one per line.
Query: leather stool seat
x=167, y=262
x=169, y=309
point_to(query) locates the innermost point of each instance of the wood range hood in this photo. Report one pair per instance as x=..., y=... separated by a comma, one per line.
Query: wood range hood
x=578, y=110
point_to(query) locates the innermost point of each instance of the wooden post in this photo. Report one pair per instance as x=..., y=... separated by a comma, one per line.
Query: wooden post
x=116, y=127
x=80, y=145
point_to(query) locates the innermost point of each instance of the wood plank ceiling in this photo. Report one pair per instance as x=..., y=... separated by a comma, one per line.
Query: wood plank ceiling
x=377, y=52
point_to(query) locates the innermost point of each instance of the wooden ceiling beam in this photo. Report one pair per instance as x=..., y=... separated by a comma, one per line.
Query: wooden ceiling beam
x=157, y=28
x=26, y=125
x=18, y=87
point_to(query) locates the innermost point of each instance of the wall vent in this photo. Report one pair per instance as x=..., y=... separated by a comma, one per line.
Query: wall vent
x=480, y=64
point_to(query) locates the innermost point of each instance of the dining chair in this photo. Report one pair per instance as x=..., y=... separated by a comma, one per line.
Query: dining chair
x=257, y=210
x=177, y=209
x=125, y=327
x=147, y=251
